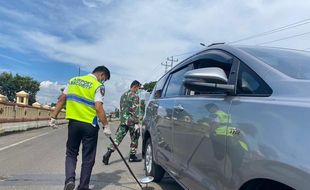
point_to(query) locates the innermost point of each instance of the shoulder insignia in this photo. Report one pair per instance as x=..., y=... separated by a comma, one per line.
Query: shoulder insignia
x=102, y=90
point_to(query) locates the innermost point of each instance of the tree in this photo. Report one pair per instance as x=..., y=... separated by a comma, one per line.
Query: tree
x=6, y=81
x=10, y=85
x=116, y=111
x=149, y=86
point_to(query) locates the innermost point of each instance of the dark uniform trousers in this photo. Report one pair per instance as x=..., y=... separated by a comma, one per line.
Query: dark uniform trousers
x=87, y=134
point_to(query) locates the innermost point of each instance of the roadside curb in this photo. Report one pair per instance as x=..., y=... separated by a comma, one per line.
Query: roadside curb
x=23, y=126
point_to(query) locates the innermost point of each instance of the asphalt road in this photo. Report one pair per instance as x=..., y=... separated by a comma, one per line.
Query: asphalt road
x=35, y=160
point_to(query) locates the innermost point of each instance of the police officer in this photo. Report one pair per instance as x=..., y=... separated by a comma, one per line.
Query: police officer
x=129, y=116
x=84, y=103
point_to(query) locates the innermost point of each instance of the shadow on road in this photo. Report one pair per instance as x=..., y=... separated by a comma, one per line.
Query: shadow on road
x=100, y=181
x=126, y=158
x=103, y=179
x=168, y=183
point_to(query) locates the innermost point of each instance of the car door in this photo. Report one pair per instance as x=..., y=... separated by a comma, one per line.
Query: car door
x=154, y=114
x=160, y=109
x=166, y=118
x=163, y=128
x=252, y=94
x=199, y=133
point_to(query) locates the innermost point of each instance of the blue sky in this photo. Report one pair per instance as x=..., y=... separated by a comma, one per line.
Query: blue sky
x=50, y=40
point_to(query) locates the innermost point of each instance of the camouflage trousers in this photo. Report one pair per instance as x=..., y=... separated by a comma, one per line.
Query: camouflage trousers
x=121, y=133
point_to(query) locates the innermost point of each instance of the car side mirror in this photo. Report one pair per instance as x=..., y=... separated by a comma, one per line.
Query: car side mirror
x=207, y=79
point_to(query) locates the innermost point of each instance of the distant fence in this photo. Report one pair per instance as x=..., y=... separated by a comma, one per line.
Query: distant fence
x=11, y=112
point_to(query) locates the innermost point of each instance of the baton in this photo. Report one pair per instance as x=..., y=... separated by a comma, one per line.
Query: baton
x=119, y=152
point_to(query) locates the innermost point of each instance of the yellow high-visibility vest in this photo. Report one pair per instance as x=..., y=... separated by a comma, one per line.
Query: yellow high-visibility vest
x=80, y=104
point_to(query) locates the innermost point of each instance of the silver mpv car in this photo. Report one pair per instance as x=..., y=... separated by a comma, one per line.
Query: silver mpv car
x=232, y=118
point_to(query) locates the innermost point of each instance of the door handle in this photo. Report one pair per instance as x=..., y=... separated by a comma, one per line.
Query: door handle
x=234, y=131
x=179, y=107
x=155, y=105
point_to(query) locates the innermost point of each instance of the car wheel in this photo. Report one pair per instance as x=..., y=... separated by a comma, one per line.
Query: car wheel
x=266, y=185
x=151, y=168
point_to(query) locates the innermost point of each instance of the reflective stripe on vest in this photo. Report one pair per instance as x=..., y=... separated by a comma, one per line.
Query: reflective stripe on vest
x=80, y=99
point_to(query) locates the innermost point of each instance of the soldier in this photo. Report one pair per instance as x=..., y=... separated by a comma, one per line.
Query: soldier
x=129, y=116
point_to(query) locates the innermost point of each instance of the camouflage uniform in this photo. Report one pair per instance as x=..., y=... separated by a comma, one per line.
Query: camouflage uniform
x=129, y=116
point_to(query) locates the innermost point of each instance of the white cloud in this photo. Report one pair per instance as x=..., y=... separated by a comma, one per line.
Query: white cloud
x=14, y=14
x=132, y=38
x=13, y=59
x=49, y=92
x=10, y=42
x=114, y=89
x=3, y=70
x=138, y=35
x=96, y=3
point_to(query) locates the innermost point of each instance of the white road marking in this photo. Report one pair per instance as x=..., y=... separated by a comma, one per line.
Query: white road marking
x=20, y=142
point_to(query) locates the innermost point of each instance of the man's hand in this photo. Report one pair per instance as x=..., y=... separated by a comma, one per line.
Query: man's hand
x=52, y=123
x=137, y=130
x=137, y=127
x=107, y=130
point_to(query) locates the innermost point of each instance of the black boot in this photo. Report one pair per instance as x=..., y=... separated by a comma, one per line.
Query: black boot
x=134, y=158
x=106, y=157
x=69, y=185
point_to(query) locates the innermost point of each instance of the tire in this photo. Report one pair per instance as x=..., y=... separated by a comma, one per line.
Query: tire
x=267, y=185
x=151, y=168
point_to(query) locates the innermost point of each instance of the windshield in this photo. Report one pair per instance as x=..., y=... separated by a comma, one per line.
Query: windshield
x=293, y=63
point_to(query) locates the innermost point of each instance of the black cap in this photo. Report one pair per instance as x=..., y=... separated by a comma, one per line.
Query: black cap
x=135, y=83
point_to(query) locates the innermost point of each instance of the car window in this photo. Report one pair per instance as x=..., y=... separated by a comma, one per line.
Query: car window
x=250, y=84
x=213, y=58
x=290, y=62
x=157, y=92
x=175, y=86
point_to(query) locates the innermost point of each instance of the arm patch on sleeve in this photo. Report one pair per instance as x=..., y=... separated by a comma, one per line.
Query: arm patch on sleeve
x=102, y=90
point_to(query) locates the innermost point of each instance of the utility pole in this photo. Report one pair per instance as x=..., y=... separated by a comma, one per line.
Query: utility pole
x=172, y=61
x=167, y=64
x=79, y=71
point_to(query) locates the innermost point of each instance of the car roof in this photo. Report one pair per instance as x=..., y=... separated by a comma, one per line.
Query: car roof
x=236, y=50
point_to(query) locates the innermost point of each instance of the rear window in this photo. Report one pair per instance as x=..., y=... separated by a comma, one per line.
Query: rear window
x=293, y=63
